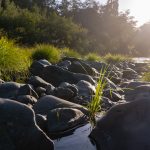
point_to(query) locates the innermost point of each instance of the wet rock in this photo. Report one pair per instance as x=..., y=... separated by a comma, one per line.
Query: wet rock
x=124, y=127
x=129, y=74
x=37, y=82
x=56, y=75
x=50, y=89
x=142, y=91
x=64, y=64
x=112, y=95
x=27, y=90
x=106, y=103
x=38, y=66
x=76, y=67
x=49, y=102
x=85, y=89
x=40, y=91
x=18, y=128
x=70, y=86
x=41, y=122
x=9, y=89
x=64, y=93
x=62, y=119
x=2, y=81
x=26, y=99
x=90, y=71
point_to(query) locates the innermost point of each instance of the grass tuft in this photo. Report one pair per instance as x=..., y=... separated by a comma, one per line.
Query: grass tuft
x=146, y=77
x=48, y=52
x=95, y=105
x=70, y=53
x=93, y=57
x=110, y=58
x=14, y=60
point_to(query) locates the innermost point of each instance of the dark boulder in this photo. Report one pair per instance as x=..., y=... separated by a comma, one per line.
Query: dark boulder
x=37, y=82
x=129, y=73
x=64, y=93
x=76, y=67
x=38, y=66
x=124, y=127
x=9, y=89
x=27, y=89
x=26, y=99
x=56, y=75
x=62, y=119
x=18, y=128
x=49, y=102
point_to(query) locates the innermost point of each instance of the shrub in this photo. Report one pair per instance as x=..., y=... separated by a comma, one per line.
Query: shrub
x=70, y=53
x=146, y=77
x=93, y=57
x=110, y=58
x=48, y=52
x=14, y=60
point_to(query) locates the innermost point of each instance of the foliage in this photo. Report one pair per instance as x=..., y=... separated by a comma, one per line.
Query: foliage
x=48, y=52
x=70, y=53
x=93, y=57
x=146, y=77
x=13, y=59
x=94, y=106
x=110, y=58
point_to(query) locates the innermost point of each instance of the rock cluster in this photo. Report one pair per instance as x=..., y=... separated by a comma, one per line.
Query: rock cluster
x=53, y=100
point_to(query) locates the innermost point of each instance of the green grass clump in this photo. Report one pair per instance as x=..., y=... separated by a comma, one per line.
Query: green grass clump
x=110, y=58
x=70, y=53
x=146, y=77
x=93, y=57
x=13, y=59
x=48, y=52
x=95, y=105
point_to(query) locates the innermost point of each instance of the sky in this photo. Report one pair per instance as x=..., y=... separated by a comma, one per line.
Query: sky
x=140, y=9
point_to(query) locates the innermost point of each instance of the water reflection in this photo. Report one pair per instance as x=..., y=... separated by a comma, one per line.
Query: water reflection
x=76, y=140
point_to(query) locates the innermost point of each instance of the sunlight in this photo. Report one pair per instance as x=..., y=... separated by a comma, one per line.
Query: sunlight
x=139, y=9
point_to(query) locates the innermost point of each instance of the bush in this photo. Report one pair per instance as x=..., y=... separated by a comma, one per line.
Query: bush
x=48, y=52
x=146, y=77
x=93, y=57
x=14, y=60
x=70, y=53
x=110, y=58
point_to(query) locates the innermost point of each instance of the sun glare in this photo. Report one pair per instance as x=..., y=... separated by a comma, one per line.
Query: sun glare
x=139, y=9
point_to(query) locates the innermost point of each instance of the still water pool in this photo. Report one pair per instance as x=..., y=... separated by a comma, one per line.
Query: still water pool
x=78, y=140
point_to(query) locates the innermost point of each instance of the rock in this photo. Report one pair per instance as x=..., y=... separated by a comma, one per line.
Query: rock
x=18, y=128
x=129, y=74
x=38, y=66
x=91, y=71
x=142, y=91
x=9, y=89
x=85, y=89
x=124, y=127
x=72, y=87
x=40, y=91
x=2, y=81
x=112, y=95
x=49, y=102
x=37, y=82
x=27, y=90
x=56, y=75
x=50, y=89
x=62, y=119
x=76, y=67
x=26, y=99
x=41, y=122
x=106, y=103
x=64, y=93
x=64, y=64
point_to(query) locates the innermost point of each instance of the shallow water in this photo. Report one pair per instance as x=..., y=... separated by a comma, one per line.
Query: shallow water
x=78, y=140
x=141, y=60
